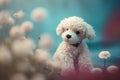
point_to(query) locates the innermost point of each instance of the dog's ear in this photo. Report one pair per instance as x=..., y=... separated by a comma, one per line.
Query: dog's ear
x=90, y=33
x=60, y=27
x=59, y=30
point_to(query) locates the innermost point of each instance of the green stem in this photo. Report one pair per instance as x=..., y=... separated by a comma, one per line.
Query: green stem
x=104, y=66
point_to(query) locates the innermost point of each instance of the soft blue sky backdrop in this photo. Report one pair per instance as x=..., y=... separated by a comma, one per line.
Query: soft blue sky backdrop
x=95, y=12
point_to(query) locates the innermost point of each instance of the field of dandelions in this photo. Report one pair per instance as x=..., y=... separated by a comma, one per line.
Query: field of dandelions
x=21, y=59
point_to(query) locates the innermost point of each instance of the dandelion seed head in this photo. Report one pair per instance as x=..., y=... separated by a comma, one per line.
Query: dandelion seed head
x=27, y=26
x=104, y=54
x=19, y=15
x=15, y=32
x=41, y=56
x=5, y=55
x=18, y=76
x=4, y=2
x=23, y=48
x=39, y=14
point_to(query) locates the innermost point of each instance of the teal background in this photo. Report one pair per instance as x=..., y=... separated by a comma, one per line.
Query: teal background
x=95, y=12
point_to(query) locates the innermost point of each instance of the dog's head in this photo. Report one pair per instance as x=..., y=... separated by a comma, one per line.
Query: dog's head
x=75, y=29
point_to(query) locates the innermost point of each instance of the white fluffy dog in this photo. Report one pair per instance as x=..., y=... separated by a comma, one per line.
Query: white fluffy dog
x=73, y=53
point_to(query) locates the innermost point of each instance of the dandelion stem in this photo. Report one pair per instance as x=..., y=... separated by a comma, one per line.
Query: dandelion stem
x=104, y=66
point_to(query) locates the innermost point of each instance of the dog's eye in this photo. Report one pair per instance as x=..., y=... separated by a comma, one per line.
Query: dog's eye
x=77, y=32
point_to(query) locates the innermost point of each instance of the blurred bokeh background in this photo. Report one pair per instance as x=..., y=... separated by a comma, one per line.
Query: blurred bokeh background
x=103, y=15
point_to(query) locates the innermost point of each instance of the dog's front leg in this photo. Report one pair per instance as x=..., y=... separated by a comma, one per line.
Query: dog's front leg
x=85, y=63
x=65, y=62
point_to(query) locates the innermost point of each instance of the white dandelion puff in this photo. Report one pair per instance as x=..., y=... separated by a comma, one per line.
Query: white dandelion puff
x=4, y=16
x=104, y=54
x=10, y=21
x=97, y=71
x=55, y=67
x=23, y=48
x=26, y=26
x=19, y=65
x=18, y=76
x=7, y=41
x=41, y=56
x=15, y=32
x=19, y=15
x=46, y=41
x=5, y=55
x=38, y=77
x=4, y=2
x=39, y=14
x=112, y=69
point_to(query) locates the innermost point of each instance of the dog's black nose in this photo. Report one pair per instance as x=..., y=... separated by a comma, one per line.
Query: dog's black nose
x=68, y=36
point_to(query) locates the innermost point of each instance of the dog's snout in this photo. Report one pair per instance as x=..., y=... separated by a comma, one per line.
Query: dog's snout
x=68, y=36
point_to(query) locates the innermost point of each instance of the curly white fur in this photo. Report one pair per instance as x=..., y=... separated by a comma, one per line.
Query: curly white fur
x=66, y=53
